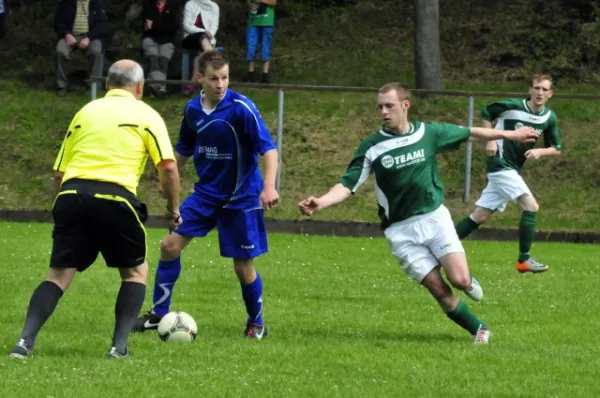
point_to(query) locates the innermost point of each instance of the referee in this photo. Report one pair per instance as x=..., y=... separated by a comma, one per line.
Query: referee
x=96, y=209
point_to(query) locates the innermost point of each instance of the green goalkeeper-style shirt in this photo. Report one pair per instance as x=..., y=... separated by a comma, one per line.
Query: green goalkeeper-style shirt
x=512, y=114
x=407, y=179
x=264, y=15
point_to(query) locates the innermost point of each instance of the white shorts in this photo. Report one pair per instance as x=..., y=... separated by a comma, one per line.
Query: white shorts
x=503, y=186
x=418, y=242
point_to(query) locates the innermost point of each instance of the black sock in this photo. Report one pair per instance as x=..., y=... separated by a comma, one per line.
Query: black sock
x=128, y=306
x=41, y=306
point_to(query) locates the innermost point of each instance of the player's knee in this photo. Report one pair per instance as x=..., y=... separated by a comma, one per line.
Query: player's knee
x=170, y=248
x=461, y=282
x=480, y=217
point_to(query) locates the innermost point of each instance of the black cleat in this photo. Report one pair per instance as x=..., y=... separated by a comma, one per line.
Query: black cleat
x=148, y=321
x=21, y=351
x=254, y=331
x=114, y=354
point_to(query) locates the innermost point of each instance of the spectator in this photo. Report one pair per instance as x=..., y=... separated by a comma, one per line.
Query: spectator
x=1, y=19
x=200, y=25
x=81, y=25
x=161, y=22
x=261, y=25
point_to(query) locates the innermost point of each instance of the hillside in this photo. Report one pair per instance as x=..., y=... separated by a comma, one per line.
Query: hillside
x=361, y=45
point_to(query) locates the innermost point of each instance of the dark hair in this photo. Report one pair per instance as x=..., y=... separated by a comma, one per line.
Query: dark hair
x=214, y=58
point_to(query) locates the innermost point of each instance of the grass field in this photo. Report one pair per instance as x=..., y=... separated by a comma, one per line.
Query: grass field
x=344, y=322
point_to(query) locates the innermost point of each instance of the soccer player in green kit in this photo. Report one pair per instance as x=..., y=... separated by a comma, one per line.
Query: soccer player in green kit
x=505, y=160
x=410, y=197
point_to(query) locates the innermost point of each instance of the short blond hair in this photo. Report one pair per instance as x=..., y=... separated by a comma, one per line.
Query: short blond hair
x=538, y=77
x=402, y=91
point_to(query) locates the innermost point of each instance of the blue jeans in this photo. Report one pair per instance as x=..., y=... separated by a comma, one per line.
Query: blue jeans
x=264, y=34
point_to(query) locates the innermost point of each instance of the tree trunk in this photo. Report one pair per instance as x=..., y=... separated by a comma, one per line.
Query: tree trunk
x=428, y=65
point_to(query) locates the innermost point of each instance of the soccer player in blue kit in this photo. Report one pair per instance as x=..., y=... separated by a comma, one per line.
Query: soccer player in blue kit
x=225, y=134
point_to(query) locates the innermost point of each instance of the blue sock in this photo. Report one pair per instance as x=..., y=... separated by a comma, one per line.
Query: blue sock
x=166, y=276
x=252, y=295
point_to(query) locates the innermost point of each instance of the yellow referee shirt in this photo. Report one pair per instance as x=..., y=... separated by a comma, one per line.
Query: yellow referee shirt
x=110, y=138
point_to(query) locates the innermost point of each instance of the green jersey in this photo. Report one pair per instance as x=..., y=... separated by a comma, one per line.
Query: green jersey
x=512, y=114
x=407, y=179
x=263, y=16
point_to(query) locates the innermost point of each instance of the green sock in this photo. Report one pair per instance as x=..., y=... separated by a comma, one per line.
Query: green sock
x=526, y=231
x=465, y=318
x=465, y=227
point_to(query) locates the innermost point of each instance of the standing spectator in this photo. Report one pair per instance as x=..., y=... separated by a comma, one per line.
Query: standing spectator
x=261, y=25
x=81, y=25
x=161, y=22
x=200, y=26
x=1, y=19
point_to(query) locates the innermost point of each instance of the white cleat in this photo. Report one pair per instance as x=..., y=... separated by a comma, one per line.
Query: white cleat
x=482, y=336
x=475, y=292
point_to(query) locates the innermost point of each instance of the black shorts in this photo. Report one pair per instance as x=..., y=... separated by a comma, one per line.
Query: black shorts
x=92, y=217
x=193, y=42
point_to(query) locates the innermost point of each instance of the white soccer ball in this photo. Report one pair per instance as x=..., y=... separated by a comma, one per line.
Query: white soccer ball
x=177, y=326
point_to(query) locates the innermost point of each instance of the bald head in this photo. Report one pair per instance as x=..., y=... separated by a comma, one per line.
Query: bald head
x=124, y=73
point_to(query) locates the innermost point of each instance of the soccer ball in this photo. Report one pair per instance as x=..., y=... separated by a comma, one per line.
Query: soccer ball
x=177, y=326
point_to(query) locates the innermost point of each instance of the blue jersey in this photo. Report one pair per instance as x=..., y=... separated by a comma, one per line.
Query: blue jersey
x=226, y=143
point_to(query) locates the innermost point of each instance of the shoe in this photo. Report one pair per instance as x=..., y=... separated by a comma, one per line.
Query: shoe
x=254, y=331
x=482, y=336
x=250, y=77
x=148, y=321
x=265, y=78
x=189, y=90
x=475, y=292
x=531, y=265
x=114, y=354
x=161, y=92
x=61, y=92
x=21, y=351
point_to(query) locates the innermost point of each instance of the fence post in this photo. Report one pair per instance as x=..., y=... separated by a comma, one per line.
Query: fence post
x=93, y=89
x=469, y=155
x=279, y=138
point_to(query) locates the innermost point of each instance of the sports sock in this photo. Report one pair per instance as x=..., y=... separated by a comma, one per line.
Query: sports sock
x=252, y=295
x=526, y=231
x=465, y=227
x=129, y=303
x=167, y=273
x=465, y=318
x=42, y=304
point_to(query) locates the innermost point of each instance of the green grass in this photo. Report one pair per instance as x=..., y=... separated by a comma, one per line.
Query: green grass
x=344, y=321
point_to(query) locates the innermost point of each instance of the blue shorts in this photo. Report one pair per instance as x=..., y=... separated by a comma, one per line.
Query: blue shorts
x=254, y=34
x=242, y=233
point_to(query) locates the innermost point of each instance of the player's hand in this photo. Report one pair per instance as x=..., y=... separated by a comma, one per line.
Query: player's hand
x=71, y=40
x=309, y=206
x=269, y=197
x=491, y=148
x=522, y=134
x=532, y=154
x=173, y=219
x=84, y=43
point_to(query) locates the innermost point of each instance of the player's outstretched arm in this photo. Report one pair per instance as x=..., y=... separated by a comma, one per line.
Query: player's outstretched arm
x=337, y=194
x=523, y=134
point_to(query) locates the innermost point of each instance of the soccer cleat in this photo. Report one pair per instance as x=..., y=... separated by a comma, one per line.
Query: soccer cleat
x=148, y=321
x=482, y=336
x=531, y=265
x=114, y=354
x=254, y=331
x=475, y=292
x=21, y=351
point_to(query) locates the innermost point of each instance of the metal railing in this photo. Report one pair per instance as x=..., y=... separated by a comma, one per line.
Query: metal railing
x=280, y=88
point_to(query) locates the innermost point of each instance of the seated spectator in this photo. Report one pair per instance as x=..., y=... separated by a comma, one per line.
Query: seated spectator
x=261, y=25
x=81, y=25
x=1, y=19
x=161, y=22
x=200, y=25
